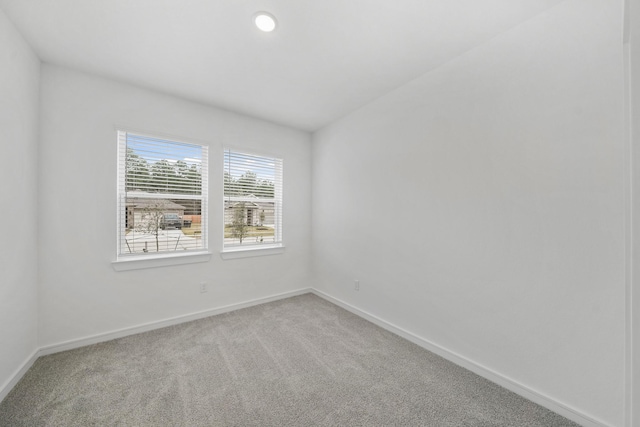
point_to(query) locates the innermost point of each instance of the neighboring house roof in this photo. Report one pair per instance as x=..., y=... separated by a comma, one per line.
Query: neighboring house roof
x=246, y=205
x=233, y=201
x=145, y=203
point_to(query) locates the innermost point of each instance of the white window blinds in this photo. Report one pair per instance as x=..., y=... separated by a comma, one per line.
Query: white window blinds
x=162, y=196
x=252, y=200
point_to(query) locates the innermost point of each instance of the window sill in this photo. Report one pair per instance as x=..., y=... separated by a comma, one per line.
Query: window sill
x=149, y=261
x=247, y=252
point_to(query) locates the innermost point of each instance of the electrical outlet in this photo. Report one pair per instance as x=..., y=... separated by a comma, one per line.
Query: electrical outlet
x=203, y=287
x=356, y=285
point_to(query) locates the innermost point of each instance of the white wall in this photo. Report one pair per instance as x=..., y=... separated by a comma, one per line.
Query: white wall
x=482, y=207
x=19, y=81
x=81, y=295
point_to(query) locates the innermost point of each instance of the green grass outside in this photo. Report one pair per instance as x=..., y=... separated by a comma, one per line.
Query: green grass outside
x=251, y=231
x=194, y=230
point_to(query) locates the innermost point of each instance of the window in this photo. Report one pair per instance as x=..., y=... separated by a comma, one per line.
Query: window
x=162, y=197
x=252, y=201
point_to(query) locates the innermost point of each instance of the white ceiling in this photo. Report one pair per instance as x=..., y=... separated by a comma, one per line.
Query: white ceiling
x=326, y=58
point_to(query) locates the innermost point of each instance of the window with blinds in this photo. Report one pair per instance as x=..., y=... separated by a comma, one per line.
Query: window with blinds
x=162, y=196
x=252, y=200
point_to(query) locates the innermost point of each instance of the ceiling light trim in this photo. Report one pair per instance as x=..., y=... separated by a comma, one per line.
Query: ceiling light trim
x=265, y=21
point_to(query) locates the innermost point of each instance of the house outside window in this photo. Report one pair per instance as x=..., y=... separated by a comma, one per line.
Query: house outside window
x=162, y=194
x=252, y=201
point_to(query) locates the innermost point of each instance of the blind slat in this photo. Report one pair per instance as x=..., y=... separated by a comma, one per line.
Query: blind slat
x=252, y=199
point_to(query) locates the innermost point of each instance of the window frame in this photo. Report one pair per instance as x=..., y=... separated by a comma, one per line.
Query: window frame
x=133, y=261
x=253, y=250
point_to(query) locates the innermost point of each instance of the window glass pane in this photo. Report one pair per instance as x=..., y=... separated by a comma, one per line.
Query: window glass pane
x=160, y=166
x=252, y=199
x=162, y=186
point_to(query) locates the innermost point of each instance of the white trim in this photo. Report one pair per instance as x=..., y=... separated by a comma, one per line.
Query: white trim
x=632, y=408
x=18, y=374
x=247, y=252
x=626, y=24
x=153, y=261
x=145, y=327
x=493, y=376
x=628, y=227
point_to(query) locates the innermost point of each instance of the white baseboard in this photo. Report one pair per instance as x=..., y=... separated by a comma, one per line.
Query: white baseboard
x=120, y=333
x=512, y=385
x=495, y=377
x=18, y=374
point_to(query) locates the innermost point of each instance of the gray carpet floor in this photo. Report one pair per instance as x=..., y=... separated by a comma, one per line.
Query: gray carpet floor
x=301, y=361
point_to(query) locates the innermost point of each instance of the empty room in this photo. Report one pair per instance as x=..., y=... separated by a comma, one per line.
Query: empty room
x=335, y=213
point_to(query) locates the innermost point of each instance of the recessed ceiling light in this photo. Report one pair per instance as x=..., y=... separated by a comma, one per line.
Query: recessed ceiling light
x=265, y=21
